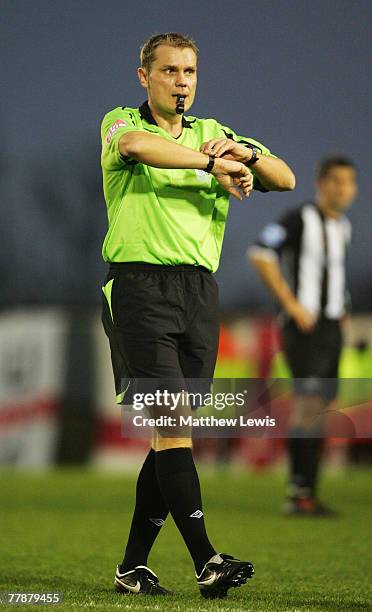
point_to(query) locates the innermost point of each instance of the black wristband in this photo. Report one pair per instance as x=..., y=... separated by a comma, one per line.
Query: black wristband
x=210, y=164
x=254, y=157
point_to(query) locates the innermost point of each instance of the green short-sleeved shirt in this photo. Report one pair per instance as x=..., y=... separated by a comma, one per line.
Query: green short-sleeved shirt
x=157, y=215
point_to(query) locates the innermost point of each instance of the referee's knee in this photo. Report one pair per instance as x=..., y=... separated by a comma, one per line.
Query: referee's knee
x=160, y=443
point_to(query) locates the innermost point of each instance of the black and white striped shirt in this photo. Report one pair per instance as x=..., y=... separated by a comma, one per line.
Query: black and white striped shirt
x=312, y=250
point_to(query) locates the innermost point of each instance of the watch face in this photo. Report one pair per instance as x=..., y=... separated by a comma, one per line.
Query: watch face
x=253, y=158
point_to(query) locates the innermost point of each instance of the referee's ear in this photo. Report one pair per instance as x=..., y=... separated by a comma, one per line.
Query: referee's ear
x=142, y=76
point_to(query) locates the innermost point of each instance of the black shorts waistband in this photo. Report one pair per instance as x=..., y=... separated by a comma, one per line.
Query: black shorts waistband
x=141, y=266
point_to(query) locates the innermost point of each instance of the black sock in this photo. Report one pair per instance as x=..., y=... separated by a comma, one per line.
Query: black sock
x=305, y=454
x=315, y=448
x=179, y=484
x=149, y=515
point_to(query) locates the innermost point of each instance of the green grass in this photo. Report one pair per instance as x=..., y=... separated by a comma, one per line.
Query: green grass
x=65, y=531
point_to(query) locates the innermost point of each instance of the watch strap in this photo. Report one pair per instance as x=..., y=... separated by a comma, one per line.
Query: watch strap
x=254, y=157
x=210, y=164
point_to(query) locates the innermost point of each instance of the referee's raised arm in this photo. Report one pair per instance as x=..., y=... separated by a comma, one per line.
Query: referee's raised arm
x=271, y=171
x=274, y=174
x=159, y=152
x=153, y=150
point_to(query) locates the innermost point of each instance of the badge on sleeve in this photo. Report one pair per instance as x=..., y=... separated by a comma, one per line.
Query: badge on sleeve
x=115, y=126
x=273, y=235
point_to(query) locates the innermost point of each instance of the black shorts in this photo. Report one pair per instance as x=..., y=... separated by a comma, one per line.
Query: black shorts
x=314, y=356
x=162, y=323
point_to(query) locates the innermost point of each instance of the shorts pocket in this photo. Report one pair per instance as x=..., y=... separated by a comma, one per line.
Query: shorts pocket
x=132, y=293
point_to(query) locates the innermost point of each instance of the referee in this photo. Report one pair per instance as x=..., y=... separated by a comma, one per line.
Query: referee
x=301, y=258
x=167, y=179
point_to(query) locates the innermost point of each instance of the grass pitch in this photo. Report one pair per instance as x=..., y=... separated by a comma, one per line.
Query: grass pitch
x=65, y=531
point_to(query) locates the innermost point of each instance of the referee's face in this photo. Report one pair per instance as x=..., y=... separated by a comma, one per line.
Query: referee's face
x=172, y=72
x=338, y=187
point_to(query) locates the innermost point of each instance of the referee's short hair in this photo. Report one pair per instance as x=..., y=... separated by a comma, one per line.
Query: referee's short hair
x=174, y=39
x=331, y=161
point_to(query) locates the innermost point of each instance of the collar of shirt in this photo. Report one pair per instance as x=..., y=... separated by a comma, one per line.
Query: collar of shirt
x=327, y=220
x=146, y=114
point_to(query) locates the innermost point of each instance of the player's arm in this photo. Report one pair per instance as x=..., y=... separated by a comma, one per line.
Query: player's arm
x=270, y=273
x=264, y=256
x=346, y=318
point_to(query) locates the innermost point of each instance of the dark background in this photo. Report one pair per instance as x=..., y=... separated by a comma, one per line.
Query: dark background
x=292, y=74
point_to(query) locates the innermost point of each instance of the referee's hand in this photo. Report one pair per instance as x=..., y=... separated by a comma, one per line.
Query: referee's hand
x=233, y=176
x=226, y=148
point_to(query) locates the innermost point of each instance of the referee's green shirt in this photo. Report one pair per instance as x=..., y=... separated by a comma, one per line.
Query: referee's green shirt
x=157, y=215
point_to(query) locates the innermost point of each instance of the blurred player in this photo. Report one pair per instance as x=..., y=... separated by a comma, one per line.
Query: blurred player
x=167, y=180
x=301, y=258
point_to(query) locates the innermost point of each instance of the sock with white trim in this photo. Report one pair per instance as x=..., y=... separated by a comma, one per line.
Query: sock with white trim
x=179, y=484
x=149, y=515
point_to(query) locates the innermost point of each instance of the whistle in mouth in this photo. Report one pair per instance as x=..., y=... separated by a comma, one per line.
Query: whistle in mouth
x=180, y=106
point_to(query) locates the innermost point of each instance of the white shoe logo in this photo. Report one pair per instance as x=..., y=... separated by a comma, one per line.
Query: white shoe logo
x=157, y=521
x=209, y=580
x=133, y=589
x=196, y=514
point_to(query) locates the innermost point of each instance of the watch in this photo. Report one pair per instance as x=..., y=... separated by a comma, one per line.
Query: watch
x=210, y=164
x=253, y=159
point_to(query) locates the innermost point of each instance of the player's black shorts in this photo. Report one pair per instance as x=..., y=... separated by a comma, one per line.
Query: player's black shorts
x=314, y=356
x=162, y=323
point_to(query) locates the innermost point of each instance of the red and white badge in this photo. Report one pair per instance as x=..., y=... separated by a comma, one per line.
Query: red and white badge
x=115, y=126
